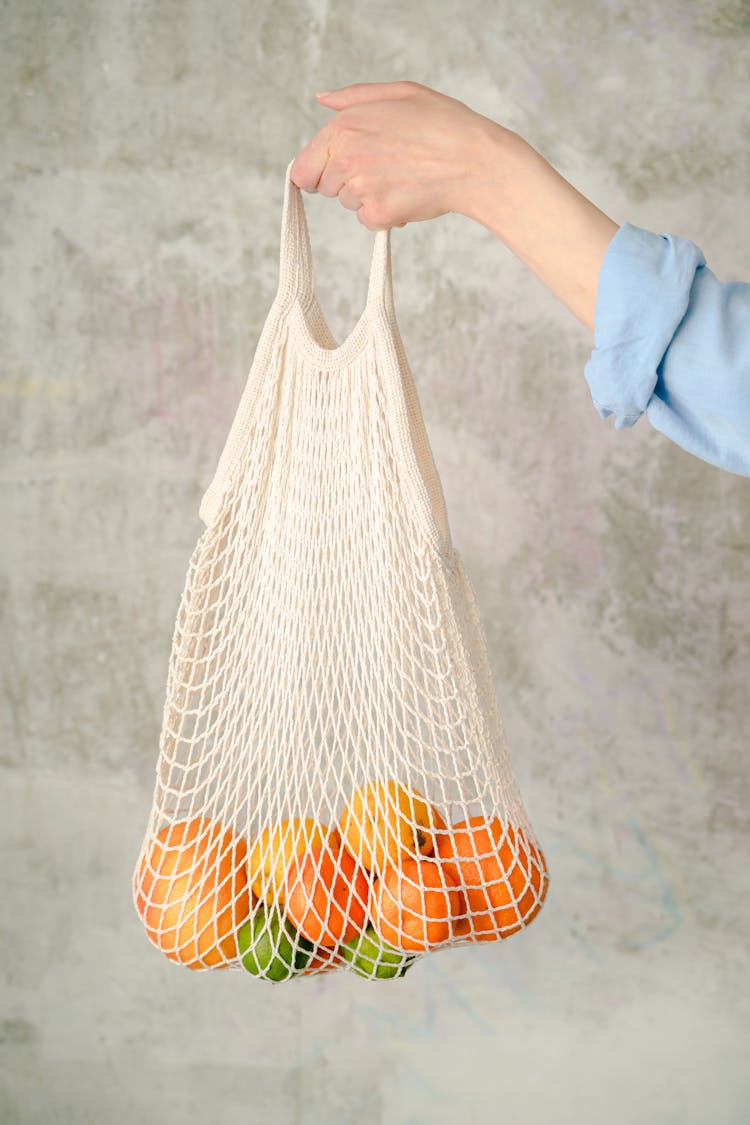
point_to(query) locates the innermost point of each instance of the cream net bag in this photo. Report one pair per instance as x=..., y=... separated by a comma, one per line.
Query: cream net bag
x=333, y=787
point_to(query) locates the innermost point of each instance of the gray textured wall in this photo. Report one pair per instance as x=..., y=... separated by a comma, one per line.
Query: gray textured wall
x=144, y=147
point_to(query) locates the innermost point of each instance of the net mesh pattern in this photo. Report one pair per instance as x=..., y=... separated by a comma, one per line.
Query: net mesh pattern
x=333, y=786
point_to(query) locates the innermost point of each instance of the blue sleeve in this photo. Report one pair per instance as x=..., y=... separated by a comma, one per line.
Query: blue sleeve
x=673, y=342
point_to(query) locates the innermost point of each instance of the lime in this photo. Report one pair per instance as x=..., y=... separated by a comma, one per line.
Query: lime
x=270, y=947
x=371, y=957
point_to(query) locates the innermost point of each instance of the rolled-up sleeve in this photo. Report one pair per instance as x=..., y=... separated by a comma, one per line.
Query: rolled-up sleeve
x=673, y=342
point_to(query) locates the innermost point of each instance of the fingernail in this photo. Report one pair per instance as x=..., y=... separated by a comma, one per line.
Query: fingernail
x=323, y=93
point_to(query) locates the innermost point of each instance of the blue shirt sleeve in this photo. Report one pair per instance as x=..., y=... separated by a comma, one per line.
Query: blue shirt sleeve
x=672, y=342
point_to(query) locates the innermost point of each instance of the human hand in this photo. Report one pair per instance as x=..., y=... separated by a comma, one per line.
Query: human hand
x=397, y=153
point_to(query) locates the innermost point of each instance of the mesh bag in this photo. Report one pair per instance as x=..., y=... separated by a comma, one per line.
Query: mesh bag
x=333, y=787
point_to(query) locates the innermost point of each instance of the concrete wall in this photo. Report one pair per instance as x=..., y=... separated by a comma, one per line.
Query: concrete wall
x=144, y=147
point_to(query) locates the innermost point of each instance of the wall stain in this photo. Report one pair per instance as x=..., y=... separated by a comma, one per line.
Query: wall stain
x=18, y=1032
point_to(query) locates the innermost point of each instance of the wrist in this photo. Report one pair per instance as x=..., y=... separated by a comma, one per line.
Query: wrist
x=546, y=222
x=496, y=161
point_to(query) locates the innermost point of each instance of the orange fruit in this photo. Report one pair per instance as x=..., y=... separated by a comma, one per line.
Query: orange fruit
x=191, y=892
x=416, y=905
x=327, y=894
x=322, y=962
x=385, y=823
x=503, y=875
x=274, y=849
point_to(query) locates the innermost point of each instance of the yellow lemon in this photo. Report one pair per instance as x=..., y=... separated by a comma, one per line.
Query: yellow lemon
x=384, y=822
x=276, y=847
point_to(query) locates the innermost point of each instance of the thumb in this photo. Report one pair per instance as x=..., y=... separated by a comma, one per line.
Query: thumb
x=365, y=92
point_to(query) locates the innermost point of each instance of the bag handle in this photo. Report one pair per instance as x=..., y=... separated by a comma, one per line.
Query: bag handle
x=296, y=280
x=296, y=285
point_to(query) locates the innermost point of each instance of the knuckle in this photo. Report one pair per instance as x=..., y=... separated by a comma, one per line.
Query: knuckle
x=368, y=219
x=379, y=213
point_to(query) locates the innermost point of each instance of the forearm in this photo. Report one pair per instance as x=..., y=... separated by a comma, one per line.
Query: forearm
x=558, y=233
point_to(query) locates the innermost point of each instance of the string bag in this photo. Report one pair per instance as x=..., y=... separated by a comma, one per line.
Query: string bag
x=333, y=786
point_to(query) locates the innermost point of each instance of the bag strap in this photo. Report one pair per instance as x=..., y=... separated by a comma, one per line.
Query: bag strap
x=295, y=285
x=296, y=279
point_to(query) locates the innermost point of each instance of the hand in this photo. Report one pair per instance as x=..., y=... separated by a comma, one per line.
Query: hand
x=399, y=152
x=396, y=153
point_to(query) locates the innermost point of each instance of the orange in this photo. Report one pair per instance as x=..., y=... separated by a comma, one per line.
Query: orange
x=327, y=895
x=276, y=846
x=191, y=892
x=416, y=905
x=504, y=890
x=385, y=823
x=322, y=963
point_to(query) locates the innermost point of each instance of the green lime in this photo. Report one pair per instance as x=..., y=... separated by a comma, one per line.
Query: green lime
x=270, y=947
x=371, y=957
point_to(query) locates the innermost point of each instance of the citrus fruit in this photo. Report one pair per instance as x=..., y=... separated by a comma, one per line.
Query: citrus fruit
x=384, y=822
x=326, y=895
x=372, y=957
x=270, y=948
x=503, y=875
x=322, y=962
x=272, y=852
x=416, y=905
x=191, y=892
